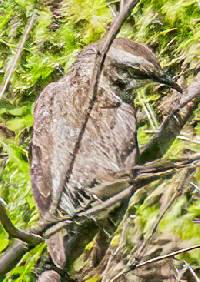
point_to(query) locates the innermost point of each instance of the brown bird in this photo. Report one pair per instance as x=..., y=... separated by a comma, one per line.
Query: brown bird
x=109, y=144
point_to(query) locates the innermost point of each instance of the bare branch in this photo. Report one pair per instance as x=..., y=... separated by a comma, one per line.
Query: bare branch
x=153, y=260
x=12, y=256
x=173, y=124
x=144, y=174
x=5, y=131
x=164, y=165
x=184, y=180
x=122, y=4
x=196, y=279
x=170, y=255
x=13, y=232
x=109, y=204
x=17, y=56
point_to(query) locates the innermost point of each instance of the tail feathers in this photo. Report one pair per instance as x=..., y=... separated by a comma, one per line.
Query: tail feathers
x=55, y=245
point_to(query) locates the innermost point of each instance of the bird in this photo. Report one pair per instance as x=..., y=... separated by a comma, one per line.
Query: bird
x=109, y=144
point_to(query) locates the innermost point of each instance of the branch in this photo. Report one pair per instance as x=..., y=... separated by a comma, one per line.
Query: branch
x=13, y=232
x=193, y=274
x=159, y=258
x=98, y=66
x=184, y=179
x=11, y=257
x=165, y=165
x=17, y=56
x=173, y=124
x=110, y=203
x=122, y=4
x=153, y=260
x=144, y=174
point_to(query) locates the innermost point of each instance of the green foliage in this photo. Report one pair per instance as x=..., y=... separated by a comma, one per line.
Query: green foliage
x=89, y=17
x=24, y=271
x=171, y=28
x=95, y=278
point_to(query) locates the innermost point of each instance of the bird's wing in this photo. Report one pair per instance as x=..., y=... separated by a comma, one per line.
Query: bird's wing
x=107, y=147
x=54, y=134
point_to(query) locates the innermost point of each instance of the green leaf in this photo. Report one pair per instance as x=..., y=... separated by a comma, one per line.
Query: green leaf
x=19, y=124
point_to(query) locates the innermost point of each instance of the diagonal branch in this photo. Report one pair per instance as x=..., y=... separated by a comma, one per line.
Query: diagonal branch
x=184, y=179
x=12, y=256
x=173, y=124
x=159, y=258
x=122, y=4
x=193, y=274
x=153, y=260
x=13, y=232
x=144, y=174
x=17, y=56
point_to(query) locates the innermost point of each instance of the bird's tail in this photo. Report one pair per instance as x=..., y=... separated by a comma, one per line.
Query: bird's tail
x=55, y=245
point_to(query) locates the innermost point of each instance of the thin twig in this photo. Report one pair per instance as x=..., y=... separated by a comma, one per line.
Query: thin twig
x=119, y=248
x=17, y=56
x=122, y=2
x=113, y=12
x=185, y=138
x=195, y=186
x=170, y=255
x=12, y=256
x=98, y=66
x=182, y=183
x=153, y=260
x=149, y=111
x=172, y=125
x=13, y=232
x=148, y=114
x=182, y=136
x=193, y=273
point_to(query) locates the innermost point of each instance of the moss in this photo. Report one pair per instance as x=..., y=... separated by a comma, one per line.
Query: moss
x=115, y=240
x=89, y=246
x=95, y=278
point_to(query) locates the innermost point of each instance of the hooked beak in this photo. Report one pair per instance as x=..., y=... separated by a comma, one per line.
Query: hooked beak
x=167, y=80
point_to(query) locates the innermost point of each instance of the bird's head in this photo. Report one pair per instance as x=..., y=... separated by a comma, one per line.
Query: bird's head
x=130, y=64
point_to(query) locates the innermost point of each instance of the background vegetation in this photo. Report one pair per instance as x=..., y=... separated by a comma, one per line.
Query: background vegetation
x=61, y=29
